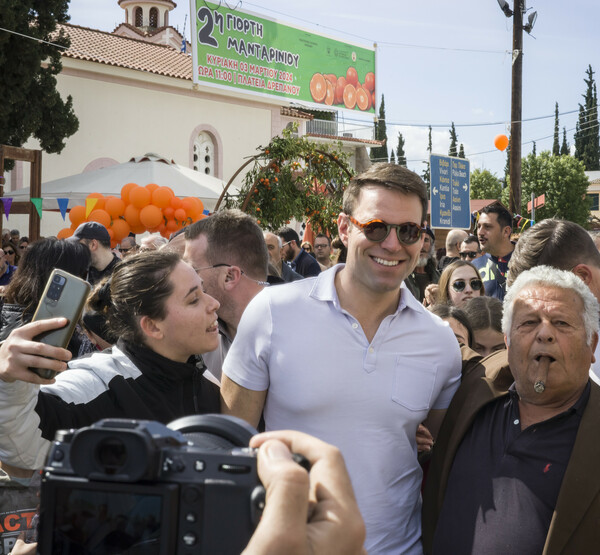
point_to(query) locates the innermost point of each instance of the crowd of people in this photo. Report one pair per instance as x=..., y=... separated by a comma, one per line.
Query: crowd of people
x=444, y=406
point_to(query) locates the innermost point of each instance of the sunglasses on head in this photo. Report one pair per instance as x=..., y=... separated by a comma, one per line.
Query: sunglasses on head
x=375, y=230
x=460, y=284
x=468, y=254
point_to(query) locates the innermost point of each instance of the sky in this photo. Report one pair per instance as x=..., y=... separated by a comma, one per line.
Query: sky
x=439, y=61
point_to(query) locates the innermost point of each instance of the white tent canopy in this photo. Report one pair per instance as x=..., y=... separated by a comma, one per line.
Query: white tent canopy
x=142, y=170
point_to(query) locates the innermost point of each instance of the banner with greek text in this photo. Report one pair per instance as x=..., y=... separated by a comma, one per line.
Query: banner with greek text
x=244, y=51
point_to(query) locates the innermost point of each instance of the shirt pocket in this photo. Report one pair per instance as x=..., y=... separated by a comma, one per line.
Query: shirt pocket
x=414, y=383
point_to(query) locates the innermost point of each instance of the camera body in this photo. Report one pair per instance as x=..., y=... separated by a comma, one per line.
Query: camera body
x=136, y=486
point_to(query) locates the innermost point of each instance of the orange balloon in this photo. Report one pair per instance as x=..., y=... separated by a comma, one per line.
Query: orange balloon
x=114, y=243
x=137, y=229
x=100, y=216
x=169, y=212
x=139, y=197
x=77, y=215
x=161, y=197
x=172, y=225
x=501, y=142
x=100, y=203
x=64, y=233
x=125, y=190
x=188, y=205
x=199, y=206
x=176, y=203
x=165, y=233
x=132, y=217
x=152, y=187
x=151, y=216
x=180, y=214
x=111, y=233
x=120, y=228
x=114, y=206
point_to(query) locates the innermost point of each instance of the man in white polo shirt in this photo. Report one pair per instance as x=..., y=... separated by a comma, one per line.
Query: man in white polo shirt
x=371, y=373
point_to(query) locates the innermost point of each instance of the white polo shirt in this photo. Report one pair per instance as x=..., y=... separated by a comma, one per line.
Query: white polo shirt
x=324, y=378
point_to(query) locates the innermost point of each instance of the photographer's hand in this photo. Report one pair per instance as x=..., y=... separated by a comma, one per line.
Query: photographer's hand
x=22, y=548
x=334, y=524
x=19, y=352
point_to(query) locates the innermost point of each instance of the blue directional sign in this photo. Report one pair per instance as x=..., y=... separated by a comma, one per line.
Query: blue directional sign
x=450, y=192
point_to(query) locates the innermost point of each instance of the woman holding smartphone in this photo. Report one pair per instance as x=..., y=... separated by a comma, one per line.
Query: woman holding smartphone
x=163, y=319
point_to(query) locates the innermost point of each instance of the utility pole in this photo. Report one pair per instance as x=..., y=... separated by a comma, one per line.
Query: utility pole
x=516, y=108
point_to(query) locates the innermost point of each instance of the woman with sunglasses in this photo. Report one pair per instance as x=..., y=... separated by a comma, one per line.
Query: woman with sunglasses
x=11, y=252
x=459, y=282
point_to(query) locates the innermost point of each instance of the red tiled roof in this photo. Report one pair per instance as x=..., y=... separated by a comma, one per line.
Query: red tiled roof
x=106, y=48
x=295, y=113
x=344, y=139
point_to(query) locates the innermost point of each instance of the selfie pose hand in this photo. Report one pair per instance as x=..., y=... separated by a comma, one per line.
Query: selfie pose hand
x=305, y=512
x=19, y=352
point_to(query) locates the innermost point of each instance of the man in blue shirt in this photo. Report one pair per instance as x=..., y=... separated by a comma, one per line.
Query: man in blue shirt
x=300, y=261
x=494, y=228
x=6, y=270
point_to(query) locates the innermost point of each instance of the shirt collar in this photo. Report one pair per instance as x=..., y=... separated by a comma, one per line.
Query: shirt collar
x=324, y=289
x=577, y=407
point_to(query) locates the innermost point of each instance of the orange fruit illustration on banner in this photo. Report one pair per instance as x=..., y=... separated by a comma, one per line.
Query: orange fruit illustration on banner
x=363, y=99
x=330, y=96
x=332, y=78
x=370, y=81
x=339, y=90
x=352, y=76
x=318, y=87
x=349, y=96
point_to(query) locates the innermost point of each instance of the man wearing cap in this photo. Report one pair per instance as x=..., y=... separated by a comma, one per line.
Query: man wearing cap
x=425, y=271
x=96, y=238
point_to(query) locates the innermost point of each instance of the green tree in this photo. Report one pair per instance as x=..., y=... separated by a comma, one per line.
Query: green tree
x=380, y=153
x=426, y=173
x=453, y=150
x=556, y=144
x=401, y=155
x=392, y=157
x=562, y=179
x=587, y=142
x=461, y=151
x=564, y=149
x=31, y=105
x=485, y=185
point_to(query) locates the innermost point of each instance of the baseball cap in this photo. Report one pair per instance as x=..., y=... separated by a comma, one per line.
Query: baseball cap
x=90, y=230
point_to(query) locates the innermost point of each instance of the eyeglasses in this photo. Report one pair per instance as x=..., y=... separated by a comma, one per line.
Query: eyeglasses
x=9, y=252
x=223, y=265
x=460, y=284
x=286, y=243
x=469, y=254
x=126, y=250
x=375, y=230
x=321, y=246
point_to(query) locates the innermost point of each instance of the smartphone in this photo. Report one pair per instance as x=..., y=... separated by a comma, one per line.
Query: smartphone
x=64, y=296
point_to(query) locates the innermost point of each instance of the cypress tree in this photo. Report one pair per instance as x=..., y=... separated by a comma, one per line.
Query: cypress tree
x=564, y=149
x=380, y=153
x=461, y=151
x=426, y=174
x=400, y=151
x=453, y=150
x=392, y=157
x=587, y=143
x=555, y=144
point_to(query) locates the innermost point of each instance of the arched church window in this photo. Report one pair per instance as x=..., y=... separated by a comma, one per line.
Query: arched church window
x=139, y=17
x=153, y=18
x=204, y=154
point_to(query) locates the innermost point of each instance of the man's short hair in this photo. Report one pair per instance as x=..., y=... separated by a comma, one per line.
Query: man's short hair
x=454, y=238
x=552, y=277
x=390, y=176
x=502, y=214
x=472, y=239
x=323, y=236
x=233, y=237
x=288, y=234
x=553, y=242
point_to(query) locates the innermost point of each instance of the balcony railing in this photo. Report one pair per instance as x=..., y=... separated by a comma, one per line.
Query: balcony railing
x=340, y=129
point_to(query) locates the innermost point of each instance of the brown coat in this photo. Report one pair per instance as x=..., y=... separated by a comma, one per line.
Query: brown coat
x=575, y=526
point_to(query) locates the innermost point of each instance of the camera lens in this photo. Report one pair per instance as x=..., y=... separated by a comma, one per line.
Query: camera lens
x=111, y=453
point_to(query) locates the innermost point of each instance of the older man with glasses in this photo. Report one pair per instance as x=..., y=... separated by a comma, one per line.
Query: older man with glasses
x=372, y=373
